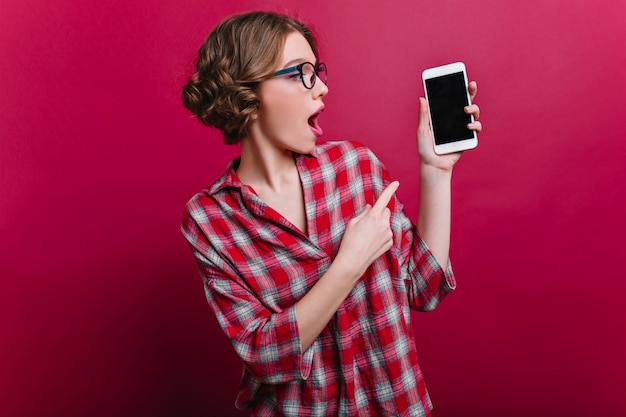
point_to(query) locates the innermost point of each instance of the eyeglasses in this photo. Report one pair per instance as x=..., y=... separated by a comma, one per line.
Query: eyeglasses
x=307, y=72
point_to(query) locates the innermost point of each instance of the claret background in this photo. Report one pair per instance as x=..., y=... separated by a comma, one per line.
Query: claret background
x=102, y=311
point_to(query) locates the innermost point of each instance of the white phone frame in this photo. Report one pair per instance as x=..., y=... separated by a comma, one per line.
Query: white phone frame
x=459, y=145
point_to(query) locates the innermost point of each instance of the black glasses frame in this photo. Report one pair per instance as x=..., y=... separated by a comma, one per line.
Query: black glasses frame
x=319, y=71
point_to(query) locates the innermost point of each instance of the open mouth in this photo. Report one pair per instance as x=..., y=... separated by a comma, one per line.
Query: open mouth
x=315, y=127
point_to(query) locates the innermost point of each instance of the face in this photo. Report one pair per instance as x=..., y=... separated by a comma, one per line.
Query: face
x=288, y=114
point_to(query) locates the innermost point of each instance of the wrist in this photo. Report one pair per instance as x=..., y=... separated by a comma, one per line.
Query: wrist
x=344, y=272
x=433, y=173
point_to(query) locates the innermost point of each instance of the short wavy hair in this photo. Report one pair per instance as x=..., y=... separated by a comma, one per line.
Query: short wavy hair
x=238, y=54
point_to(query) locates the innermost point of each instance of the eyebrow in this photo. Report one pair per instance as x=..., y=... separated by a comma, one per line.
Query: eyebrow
x=297, y=61
x=294, y=62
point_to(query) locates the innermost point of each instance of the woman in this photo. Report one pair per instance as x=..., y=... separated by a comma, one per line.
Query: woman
x=309, y=263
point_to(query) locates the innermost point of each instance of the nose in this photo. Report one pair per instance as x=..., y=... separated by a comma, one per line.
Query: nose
x=320, y=88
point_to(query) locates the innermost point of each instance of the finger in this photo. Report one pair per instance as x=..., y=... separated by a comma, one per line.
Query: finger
x=423, y=122
x=474, y=110
x=475, y=126
x=385, y=197
x=472, y=88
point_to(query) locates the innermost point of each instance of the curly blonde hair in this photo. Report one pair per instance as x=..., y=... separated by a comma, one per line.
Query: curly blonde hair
x=238, y=54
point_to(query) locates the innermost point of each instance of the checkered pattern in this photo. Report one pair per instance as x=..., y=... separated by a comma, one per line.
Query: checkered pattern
x=256, y=265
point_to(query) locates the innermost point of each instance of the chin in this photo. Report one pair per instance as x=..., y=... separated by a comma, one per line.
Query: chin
x=312, y=146
x=305, y=149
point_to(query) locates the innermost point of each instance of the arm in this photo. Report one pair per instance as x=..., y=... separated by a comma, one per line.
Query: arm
x=272, y=344
x=433, y=222
x=366, y=238
x=315, y=310
x=266, y=340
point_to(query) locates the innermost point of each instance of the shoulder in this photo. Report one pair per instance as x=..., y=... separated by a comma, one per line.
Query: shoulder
x=197, y=217
x=198, y=205
x=208, y=221
x=210, y=208
x=345, y=153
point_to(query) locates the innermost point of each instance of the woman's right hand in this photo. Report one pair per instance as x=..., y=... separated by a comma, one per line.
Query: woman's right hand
x=367, y=236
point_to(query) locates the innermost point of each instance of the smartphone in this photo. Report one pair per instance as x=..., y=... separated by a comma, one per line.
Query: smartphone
x=447, y=95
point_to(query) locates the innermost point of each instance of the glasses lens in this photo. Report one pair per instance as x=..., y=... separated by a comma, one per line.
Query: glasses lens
x=308, y=74
x=322, y=73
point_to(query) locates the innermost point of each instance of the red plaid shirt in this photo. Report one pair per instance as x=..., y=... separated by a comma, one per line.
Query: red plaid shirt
x=256, y=265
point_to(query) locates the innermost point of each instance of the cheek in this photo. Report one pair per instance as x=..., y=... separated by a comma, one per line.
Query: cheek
x=280, y=110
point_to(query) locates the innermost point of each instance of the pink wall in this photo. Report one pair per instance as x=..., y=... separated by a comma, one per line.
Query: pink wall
x=102, y=310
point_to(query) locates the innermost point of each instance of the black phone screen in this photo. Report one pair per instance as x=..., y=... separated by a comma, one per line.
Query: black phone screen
x=447, y=96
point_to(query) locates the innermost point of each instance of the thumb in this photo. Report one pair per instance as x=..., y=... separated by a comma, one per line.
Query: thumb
x=423, y=115
x=423, y=124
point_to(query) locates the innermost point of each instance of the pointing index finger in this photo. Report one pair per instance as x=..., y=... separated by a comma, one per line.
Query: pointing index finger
x=385, y=196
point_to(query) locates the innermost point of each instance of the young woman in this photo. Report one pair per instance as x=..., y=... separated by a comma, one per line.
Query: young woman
x=309, y=263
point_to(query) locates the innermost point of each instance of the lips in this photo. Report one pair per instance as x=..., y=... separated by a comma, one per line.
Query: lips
x=315, y=127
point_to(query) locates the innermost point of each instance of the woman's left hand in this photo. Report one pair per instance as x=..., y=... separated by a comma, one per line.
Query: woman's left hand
x=425, y=146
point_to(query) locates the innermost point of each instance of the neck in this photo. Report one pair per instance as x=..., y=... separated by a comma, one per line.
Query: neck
x=265, y=166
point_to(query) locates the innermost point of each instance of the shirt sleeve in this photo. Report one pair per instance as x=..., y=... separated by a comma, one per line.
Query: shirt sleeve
x=428, y=281
x=268, y=342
